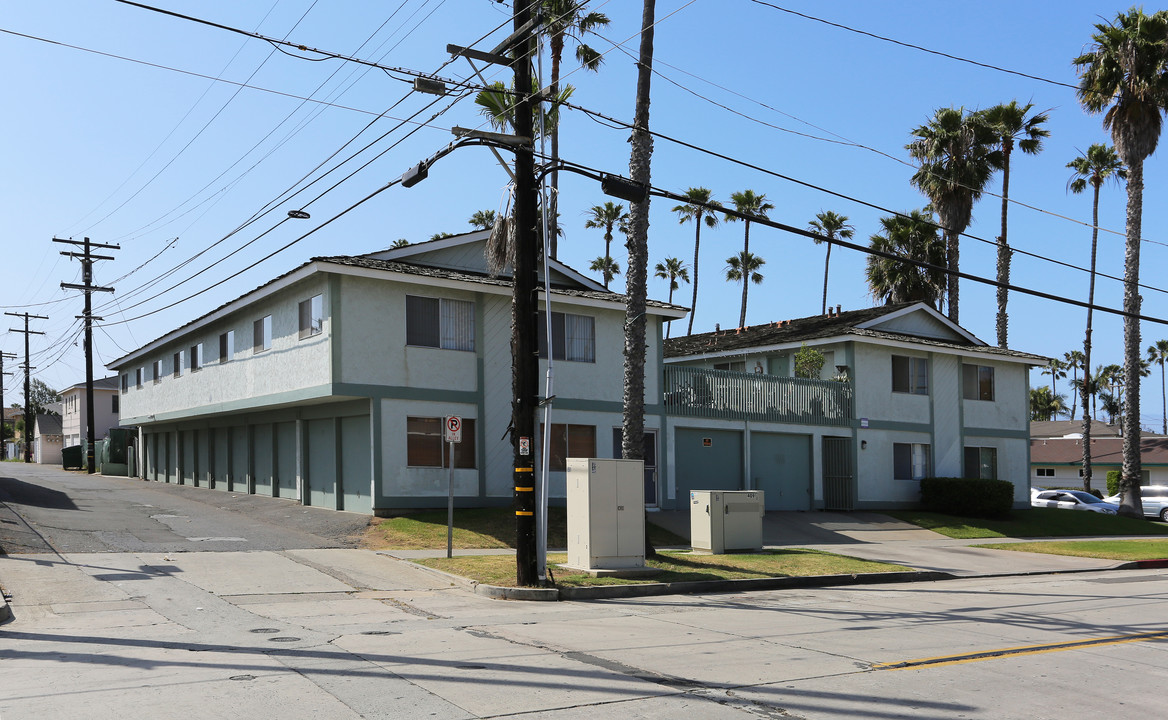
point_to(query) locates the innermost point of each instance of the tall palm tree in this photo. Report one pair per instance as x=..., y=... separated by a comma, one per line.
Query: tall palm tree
x=1010, y=126
x=482, y=219
x=1122, y=75
x=1093, y=168
x=698, y=210
x=743, y=268
x=833, y=227
x=671, y=269
x=1056, y=369
x=607, y=267
x=606, y=217
x=1074, y=361
x=400, y=243
x=957, y=157
x=913, y=236
x=565, y=19
x=754, y=204
x=1158, y=354
x=1045, y=405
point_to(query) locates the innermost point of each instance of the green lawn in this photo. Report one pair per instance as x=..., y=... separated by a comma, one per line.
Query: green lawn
x=481, y=528
x=673, y=566
x=1031, y=523
x=1129, y=550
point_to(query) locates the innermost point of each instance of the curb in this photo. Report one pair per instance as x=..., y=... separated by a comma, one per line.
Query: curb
x=517, y=593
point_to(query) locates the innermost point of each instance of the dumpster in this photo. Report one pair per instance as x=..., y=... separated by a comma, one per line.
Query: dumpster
x=72, y=457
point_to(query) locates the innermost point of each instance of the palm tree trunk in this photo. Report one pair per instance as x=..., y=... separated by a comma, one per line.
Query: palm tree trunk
x=1163, y=398
x=693, y=305
x=633, y=425
x=607, y=252
x=1086, y=388
x=1130, y=501
x=745, y=276
x=669, y=325
x=1004, y=252
x=953, y=252
x=557, y=50
x=826, y=262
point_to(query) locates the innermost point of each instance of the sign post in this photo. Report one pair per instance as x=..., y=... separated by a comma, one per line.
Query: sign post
x=452, y=433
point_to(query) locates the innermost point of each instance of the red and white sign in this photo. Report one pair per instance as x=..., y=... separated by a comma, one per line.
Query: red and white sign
x=453, y=427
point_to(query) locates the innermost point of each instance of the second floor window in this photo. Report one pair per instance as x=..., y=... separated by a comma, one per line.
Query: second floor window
x=311, y=316
x=178, y=363
x=196, y=357
x=910, y=375
x=226, y=346
x=114, y=404
x=156, y=371
x=262, y=334
x=977, y=382
x=573, y=338
x=439, y=323
x=138, y=378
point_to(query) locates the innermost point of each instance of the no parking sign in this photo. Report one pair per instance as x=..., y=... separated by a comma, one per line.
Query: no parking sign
x=453, y=429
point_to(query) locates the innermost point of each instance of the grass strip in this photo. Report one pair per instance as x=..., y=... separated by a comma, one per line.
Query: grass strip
x=1126, y=550
x=1031, y=523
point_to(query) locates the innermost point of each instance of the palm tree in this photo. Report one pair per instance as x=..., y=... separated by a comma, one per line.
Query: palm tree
x=1073, y=361
x=607, y=267
x=671, y=269
x=748, y=203
x=832, y=227
x=400, y=243
x=956, y=157
x=482, y=219
x=606, y=216
x=743, y=268
x=564, y=19
x=913, y=236
x=1093, y=168
x=1158, y=353
x=1046, y=405
x=1009, y=125
x=1056, y=369
x=1122, y=76
x=698, y=210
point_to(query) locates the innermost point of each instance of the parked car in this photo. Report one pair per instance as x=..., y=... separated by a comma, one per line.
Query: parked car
x=1071, y=500
x=1155, y=498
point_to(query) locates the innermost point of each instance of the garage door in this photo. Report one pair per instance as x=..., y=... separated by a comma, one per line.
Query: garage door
x=264, y=462
x=322, y=463
x=240, y=464
x=356, y=465
x=780, y=466
x=286, y=459
x=706, y=460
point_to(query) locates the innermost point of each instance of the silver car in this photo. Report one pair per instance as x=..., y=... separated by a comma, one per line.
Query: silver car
x=1155, y=499
x=1071, y=500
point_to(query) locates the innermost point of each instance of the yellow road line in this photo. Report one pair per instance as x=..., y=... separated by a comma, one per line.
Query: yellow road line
x=1023, y=650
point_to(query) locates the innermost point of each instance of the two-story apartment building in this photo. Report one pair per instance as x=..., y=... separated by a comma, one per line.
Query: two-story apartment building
x=106, y=399
x=904, y=393
x=328, y=384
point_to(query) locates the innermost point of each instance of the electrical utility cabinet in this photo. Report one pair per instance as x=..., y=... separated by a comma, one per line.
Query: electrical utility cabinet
x=606, y=514
x=724, y=520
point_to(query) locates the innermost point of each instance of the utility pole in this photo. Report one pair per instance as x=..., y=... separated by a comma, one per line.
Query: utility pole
x=28, y=422
x=3, y=445
x=88, y=288
x=525, y=350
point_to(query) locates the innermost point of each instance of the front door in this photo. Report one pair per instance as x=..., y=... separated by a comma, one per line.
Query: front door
x=650, y=457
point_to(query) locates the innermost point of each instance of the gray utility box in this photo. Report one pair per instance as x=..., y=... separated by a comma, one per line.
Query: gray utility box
x=725, y=520
x=606, y=514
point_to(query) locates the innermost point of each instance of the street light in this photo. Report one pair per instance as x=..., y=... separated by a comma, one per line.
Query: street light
x=298, y=214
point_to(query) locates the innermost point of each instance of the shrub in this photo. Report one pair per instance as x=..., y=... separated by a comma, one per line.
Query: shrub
x=1112, y=482
x=967, y=497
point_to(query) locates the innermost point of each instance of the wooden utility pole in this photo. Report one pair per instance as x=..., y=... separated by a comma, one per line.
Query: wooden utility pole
x=28, y=421
x=3, y=445
x=88, y=288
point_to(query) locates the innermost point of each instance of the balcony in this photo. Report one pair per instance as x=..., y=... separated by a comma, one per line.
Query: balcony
x=725, y=395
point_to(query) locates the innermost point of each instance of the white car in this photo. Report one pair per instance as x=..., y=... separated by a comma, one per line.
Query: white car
x=1155, y=499
x=1071, y=500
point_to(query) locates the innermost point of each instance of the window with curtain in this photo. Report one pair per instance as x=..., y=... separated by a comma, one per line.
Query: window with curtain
x=910, y=461
x=578, y=441
x=312, y=316
x=573, y=338
x=440, y=323
x=910, y=375
x=261, y=334
x=981, y=462
x=426, y=448
x=977, y=382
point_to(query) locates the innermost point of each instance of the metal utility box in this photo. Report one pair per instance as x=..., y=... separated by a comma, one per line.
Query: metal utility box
x=724, y=520
x=606, y=513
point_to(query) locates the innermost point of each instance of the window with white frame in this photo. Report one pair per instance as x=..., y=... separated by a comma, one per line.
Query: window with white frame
x=261, y=334
x=978, y=382
x=426, y=448
x=196, y=357
x=177, y=361
x=910, y=375
x=311, y=316
x=981, y=462
x=733, y=366
x=573, y=337
x=226, y=346
x=439, y=323
x=1044, y=472
x=156, y=371
x=910, y=461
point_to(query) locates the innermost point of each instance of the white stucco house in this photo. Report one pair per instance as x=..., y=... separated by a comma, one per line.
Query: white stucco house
x=106, y=399
x=904, y=393
x=47, y=440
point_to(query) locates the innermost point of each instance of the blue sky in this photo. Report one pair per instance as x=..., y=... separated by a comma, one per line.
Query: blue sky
x=165, y=163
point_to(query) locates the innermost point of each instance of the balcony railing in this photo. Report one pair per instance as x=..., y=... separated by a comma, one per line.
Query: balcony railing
x=696, y=392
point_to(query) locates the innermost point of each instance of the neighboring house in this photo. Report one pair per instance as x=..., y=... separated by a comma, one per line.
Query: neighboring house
x=904, y=393
x=328, y=385
x=1058, y=462
x=106, y=401
x=47, y=440
x=1072, y=429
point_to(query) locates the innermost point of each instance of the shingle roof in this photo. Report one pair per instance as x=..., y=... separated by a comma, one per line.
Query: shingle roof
x=1104, y=451
x=48, y=424
x=1062, y=428
x=818, y=327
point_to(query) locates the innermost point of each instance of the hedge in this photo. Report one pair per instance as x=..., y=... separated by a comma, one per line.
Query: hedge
x=967, y=497
x=1112, y=482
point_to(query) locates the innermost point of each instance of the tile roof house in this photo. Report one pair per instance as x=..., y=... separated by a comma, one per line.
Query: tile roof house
x=1058, y=462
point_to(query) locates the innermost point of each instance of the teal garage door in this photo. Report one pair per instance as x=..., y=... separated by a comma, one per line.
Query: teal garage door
x=221, y=461
x=356, y=465
x=707, y=460
x=286, y=460
x=188, y=456
x=780, y=466
x=264, y=462
x=240, y=465
x=202, y=440
x=322, y=463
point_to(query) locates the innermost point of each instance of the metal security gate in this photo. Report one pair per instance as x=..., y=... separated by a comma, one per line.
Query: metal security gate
x=839, y=477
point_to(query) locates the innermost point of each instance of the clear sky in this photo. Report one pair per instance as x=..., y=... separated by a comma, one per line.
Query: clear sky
x=155, y=146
